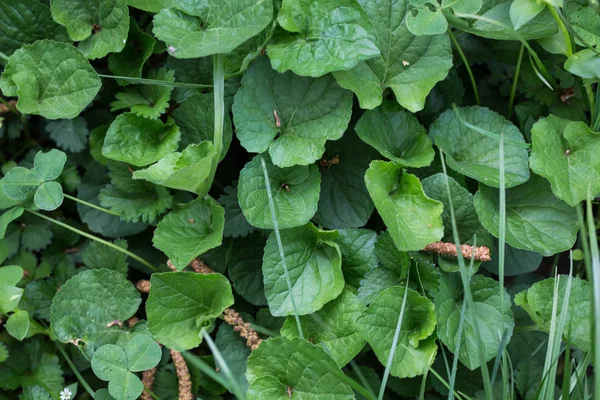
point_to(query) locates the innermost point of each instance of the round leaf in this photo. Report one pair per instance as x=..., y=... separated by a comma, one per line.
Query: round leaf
x=20, y=183
x=48, y=196
x=142, y=353
x=17, y=324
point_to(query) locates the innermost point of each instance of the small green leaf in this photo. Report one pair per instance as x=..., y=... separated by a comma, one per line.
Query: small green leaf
x=51, y=79
x=523, y=11
x=8, y=217
x=17, y=324
x=535, y=219
x=289, y=115
x=585, y=63
x=397, y=135
x=139, y=141
x=9, y=298
x=424, y=21
x=142, y=353
x=69, y=134
x=48, y=196
x=295, y=194
x=181, y=304
x=206, y=27
x=99, y=27
x=20, y=183
x=414, y=220
x=110, y=364
x=148, y=101
x=48, y=166
x=10, y=275
x=245, y=268
x=138, y=48
x=314, y=262
x=189, y=231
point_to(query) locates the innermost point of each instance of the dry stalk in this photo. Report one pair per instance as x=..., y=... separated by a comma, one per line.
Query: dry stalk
x=479, y=253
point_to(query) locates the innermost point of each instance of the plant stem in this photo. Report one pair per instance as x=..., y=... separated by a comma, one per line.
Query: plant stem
x=157, y=82
x=219, y=111
x=95, y=207
x=513, y=89
x=97, y=239
x=590, y=95
x=563, y=29
x=467, y=66
x=75, y=370
x=3, y=56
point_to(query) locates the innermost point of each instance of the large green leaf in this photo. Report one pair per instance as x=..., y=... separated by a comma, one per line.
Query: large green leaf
x=130, y=61
x=295, y=193
x=190, y=230
x=150, y=5
x=416, y=348
x=100, y=27
x=321, y=37
x=492, y=320
x=181, y=304
x=139, y=141
x=538, y=302
x=397, y=135
x=334, y=327
x=314, y=263
x=535, y=219
x=245, y=268
x=89, y=301
x=201, y=28
x=567, y=153
x=516, y=261
x=476, y=155
x=410, y=65
x=51, y=79
x=289, y=115
x=358, y=254
x=280, y=366
x=413, y=219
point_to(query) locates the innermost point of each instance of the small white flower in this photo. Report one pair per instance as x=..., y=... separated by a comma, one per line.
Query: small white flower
x=171, y=50
x=65, y=394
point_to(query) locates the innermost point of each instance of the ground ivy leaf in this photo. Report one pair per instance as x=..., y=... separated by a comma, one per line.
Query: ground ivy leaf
x=358, y=254
x=9, y=216
x=314, y=262
x=416, y=347
x=99, y=27
x=138, y=49
x=462, y=201
x=89, y=301
x=340, y=35
x=491, y=319
x=97, y=255
x=188, y=231
x=281, y=365
x=537, y=301
x=51, y=79
x=289, y=115
x=567, y=154
x=397, y=135
x=535, y=219
x=413, y=219
x=245, y=268
x=236, y=224
x=206, y=27
x=410, y=65
x=181, y=304
x=344, y=201
x=48, y=196
x=133, y=200
x=139, y=141
x=334, y=327
x=476, y=155
x=188, y=170
x=20, y=183
x=69, y=134
x=148, y=101
x=295, y=194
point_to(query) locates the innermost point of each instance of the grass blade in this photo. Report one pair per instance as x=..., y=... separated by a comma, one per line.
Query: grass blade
x=233, y=383
x=595, y=258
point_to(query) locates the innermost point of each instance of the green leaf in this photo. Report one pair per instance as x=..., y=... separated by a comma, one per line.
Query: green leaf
x=17, y=324
x=236, y=224
x=295, y=194
x=34, y=393
x=289, y=115
x=586, y=23
x=491, y=319
x=8, y=217
x=538, y=302
x=235, y=353
x=535, y=219
x=97, y=256
x=476, y=155
x=196, y=118
x=148, y=101
x=414, y=220
x=76, y=312
x=110, y=364
x=567, y=154
x=584, y=63
x=48, y=166
x=463, y=6
x=48, y=196
x=138, y=49
x=409, y=65
x=523, y=11
x=188, y=170
x=139, y=141
x=181, y=304
x=416, y=348
x=397, y=135
x=206, y=27
x=142, y=353
x=334, y=327
x=314, y=262
x=516, y=261
x=69, y=134
x=133, y=200
x=321, y=37
x=51, y=79
x=20, y=183
x=358, y=254
x=462, y=202
x=188, y=231
x=150, y=5
x=344, y=201
x=424, y=21
x=245, y=269
x=99, y=27
x=10, y=275
x=280, y=366
x=9, y=296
